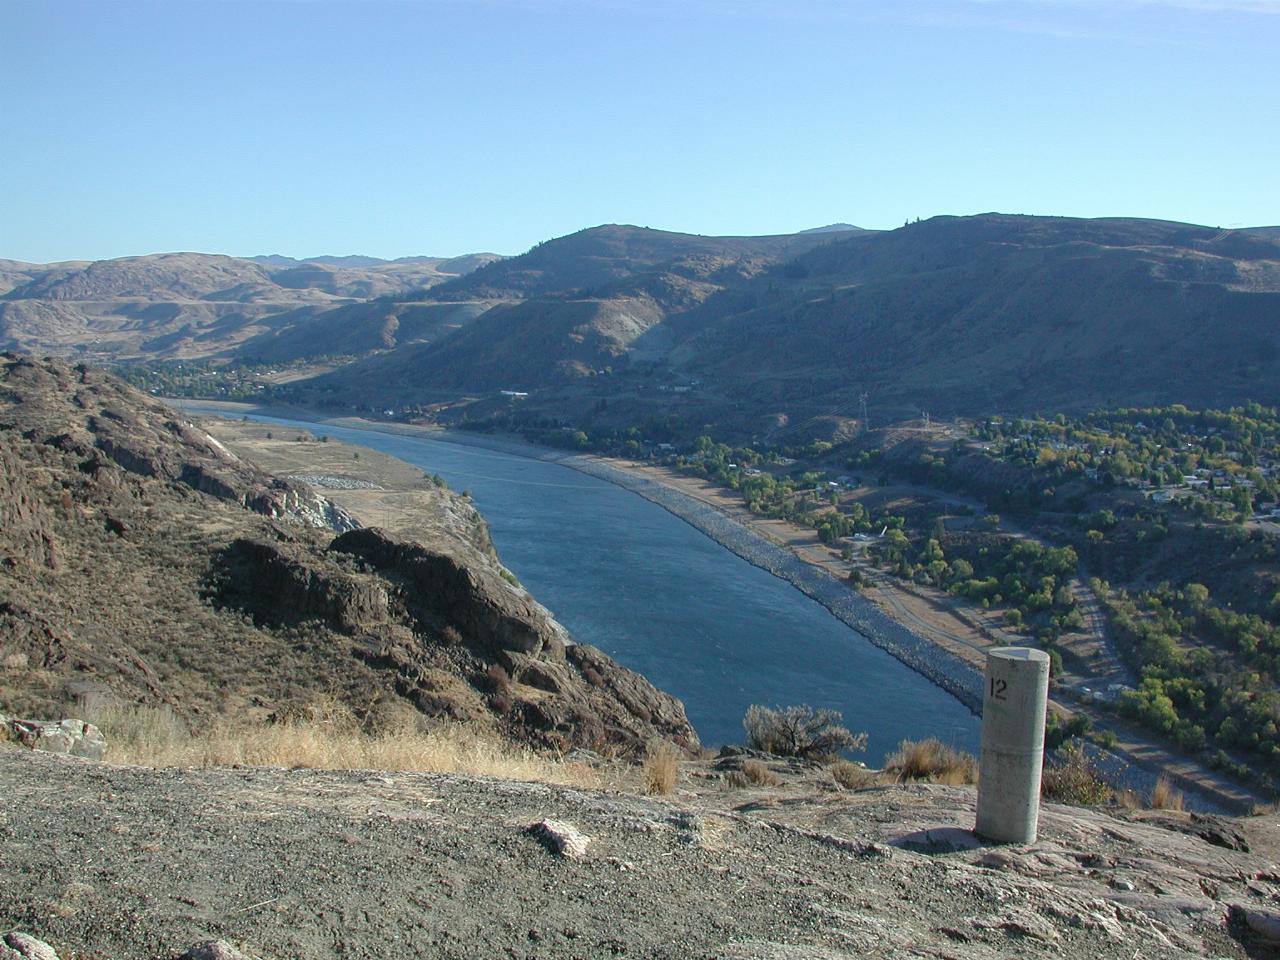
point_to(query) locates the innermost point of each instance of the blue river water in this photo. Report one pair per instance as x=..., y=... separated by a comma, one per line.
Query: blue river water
x=664, y=599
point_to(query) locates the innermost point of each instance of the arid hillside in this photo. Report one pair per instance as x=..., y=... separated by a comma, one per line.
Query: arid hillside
x=955, y=315
x=141, y=560
x=187, y=305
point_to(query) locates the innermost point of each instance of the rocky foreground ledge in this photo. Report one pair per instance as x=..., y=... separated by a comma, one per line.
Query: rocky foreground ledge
x=134, y=864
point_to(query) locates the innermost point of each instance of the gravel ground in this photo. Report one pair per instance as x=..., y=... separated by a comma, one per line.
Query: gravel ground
x=131, y=863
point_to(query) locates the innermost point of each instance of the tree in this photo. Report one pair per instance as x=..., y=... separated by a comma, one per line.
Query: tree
x=800, y=731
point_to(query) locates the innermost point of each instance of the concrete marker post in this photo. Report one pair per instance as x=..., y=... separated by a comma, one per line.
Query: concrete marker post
x=1014, y=700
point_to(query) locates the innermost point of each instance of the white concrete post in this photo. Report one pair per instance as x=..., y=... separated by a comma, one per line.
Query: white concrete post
x=1013, y=712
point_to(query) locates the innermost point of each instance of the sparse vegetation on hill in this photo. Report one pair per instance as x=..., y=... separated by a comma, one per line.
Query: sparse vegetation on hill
x=141, y=558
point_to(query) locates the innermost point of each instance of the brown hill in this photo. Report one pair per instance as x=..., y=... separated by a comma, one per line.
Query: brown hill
x=589, y=259
x=964, y=315
x=994, y=313
x=140, y=558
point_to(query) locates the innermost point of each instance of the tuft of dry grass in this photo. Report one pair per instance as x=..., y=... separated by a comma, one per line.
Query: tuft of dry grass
x=1074, y=779
x=753, y=773
x=1164, y=796
x=327, y=737
x=852, y=776
x=1127, y=799
x=661, y=769
x=932, y=760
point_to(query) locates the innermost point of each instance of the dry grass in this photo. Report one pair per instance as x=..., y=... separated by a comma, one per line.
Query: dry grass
x=1128, y=799
x=660, y=769
x=753, y=773
x=852, y=776
x=1074, y=779
x=324, y=738
x=1164, y=796
x=932, y=760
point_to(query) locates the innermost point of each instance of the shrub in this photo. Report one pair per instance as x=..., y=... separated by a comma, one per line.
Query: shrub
x=1164, y=796
x=932, y=760
x=660, y=769
x=497, y=679
x=851, y=776
x=800, y=731
x=1074, y=779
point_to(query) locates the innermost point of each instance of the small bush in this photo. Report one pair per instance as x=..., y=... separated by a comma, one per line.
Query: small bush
x=1127, y=799
x=932, y=760
x=1164, y=796
x=660, y=769
x=753, y=773
x=1074, y=779
x=800, y=731
x=497, y=679
x=851, y=776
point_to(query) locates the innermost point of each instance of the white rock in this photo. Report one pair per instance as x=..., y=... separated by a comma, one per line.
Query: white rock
x=214, y=950
x=563, y=838
x=28, y=947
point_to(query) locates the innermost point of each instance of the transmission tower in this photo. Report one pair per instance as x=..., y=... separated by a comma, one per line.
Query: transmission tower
x=862, y=412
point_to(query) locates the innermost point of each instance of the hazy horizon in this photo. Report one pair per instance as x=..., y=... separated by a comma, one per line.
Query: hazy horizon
x=464, y=253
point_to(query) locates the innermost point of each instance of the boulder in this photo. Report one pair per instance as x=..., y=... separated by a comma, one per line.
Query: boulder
x=1263, y=924
x=22, y=946
x=74, y=737
x=561, y=838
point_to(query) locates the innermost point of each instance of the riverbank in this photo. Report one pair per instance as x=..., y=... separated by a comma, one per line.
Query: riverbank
x=920, y=641
x=937, y=664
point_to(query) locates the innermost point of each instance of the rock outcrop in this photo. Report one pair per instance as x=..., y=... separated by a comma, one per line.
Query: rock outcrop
x=73, y=737
x=107, y=424
x=425, y=614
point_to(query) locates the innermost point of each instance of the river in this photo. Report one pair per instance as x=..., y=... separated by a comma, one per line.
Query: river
x=664, y=599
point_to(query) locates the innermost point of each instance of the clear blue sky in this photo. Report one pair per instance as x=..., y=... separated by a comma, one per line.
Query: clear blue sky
x=399, y=127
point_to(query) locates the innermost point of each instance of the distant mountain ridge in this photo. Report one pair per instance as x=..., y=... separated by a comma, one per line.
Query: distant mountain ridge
x=956, y=315
x=598, y=255
x=191, y=305
x=834, y=228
